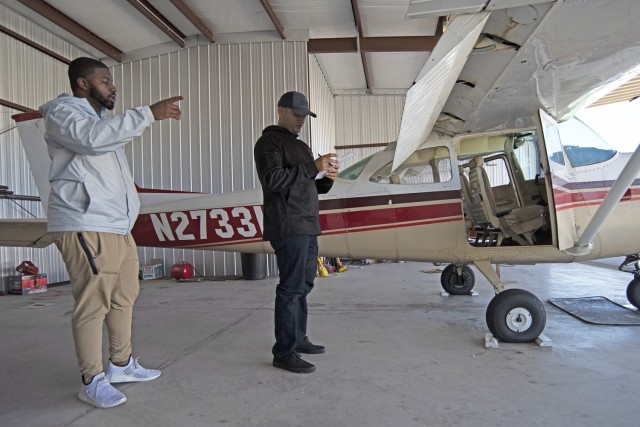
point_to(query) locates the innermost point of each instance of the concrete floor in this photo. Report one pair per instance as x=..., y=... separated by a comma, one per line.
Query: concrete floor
x=399, y=354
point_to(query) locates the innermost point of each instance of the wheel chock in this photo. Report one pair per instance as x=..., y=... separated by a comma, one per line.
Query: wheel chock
x=447, y=294
x=544, y=341
x=490, y=341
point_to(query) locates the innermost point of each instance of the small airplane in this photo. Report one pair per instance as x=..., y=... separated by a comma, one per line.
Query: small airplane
x=490, y=165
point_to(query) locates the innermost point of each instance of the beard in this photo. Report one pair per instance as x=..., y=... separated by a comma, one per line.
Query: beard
x=105, y=101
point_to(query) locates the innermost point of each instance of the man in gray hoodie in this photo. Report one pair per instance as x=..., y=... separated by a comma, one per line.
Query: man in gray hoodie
x=92, y=208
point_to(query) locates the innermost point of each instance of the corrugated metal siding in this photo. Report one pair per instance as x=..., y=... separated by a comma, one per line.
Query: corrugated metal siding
x=230, y=91
x=29, y=78
x=322, y=102
x=367, y=119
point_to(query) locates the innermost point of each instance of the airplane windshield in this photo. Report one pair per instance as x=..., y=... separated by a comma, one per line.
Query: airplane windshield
x=354, y=171
x=582, y=145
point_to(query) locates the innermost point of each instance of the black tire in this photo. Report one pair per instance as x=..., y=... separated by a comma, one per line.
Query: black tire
x=633, y=292
x=516, y=315
x=456, y=284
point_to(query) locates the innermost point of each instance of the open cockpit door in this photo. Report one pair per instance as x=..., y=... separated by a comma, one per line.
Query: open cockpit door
x=558, y=174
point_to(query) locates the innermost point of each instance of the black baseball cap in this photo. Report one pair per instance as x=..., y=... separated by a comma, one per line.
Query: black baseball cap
x=297, y=102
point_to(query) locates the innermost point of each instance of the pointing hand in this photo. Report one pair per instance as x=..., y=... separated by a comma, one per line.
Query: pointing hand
x=167, y=109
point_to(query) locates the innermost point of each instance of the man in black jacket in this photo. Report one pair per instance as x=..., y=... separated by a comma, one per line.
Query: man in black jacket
x=291, y=181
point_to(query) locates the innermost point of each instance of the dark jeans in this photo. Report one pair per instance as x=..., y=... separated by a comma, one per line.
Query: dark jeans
x=297, y=258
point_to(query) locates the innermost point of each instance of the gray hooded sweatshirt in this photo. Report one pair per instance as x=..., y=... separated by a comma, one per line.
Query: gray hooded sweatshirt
x=92, y=188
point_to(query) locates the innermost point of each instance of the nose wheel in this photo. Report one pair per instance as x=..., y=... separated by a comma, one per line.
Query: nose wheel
x=633, y=292
x=631, y=264
x=516, y=315
x=457, y=282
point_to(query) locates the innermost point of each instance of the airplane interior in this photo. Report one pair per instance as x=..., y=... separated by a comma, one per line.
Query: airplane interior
x=505, y=200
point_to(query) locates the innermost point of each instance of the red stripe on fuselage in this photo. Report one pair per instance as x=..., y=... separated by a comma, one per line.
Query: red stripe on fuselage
x=200, y=228
x=570, y=199
x=389, y=215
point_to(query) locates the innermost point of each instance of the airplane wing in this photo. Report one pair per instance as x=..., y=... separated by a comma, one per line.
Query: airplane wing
x=556, y=56
x=24, y=233
x=427, y=96
x=527, y=55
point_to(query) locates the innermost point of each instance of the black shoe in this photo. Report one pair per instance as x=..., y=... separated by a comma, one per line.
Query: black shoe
x=308, y=347
x=294, y=363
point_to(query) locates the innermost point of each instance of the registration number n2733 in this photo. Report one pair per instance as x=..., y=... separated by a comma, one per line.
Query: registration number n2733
x=233, y=223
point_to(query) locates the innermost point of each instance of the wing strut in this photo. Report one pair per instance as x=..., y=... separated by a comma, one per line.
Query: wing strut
x=584, y=244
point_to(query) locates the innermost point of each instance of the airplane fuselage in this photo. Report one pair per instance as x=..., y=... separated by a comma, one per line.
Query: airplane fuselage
x=420, y=222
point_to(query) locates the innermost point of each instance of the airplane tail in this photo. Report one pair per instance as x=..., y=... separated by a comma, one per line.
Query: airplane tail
x=31, y=129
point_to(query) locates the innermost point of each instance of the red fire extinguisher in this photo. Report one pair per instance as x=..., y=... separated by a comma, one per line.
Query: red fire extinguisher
x=182, y=270
x=28, y=268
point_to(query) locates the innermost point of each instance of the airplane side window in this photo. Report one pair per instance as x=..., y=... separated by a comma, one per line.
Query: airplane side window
x=426, y=166
x=582, y=145
x=444, y=167
x=528, y=156
x=354, y=171
x=497, y=172
x=417, y=175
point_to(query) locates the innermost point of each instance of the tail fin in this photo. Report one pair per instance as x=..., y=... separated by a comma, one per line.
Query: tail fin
x=31, y=129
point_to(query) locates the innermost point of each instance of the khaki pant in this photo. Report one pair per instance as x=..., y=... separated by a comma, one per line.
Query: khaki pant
x=103, y=270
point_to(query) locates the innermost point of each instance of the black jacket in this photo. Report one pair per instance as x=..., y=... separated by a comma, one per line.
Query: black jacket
x=287, y=172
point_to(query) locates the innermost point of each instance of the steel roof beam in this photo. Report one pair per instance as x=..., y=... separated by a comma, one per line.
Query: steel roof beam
x=33, y=44
x=274, y=18
x=373, y=44
x=63, y=21
x=195, y=20
x=398, y=44
x=153, y=15
x=363, y=55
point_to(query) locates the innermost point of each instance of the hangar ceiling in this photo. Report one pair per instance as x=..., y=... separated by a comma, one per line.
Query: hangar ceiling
x=629, y=91
x=360, y=44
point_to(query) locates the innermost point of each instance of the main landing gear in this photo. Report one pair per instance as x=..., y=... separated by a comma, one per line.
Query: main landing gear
x=516, y=315
x=513, y=315
x=631, y=264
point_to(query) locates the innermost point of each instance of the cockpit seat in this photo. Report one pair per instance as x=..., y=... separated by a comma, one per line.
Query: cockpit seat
x=466, y=199
x=518, y=223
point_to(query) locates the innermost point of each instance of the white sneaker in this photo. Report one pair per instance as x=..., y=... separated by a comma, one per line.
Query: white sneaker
x=133, y=372
x=100, y=393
